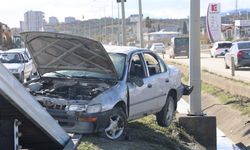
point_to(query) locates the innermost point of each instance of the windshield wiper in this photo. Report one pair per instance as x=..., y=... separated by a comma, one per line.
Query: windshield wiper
x=62, y=75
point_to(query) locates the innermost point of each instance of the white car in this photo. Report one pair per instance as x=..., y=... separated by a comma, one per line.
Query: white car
x=219, y=48
x=89, y=88
x=18, y=62
x=158, y=48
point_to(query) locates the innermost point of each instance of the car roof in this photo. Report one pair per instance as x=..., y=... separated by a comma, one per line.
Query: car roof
x=122, y=49
x=219, y=42
x=242, y=42
x=17, y=50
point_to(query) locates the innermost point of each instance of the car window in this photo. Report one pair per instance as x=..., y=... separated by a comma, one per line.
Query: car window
x=162, y=65
x=10, y=58
x=119, y=63
x=25, y=57
x=224, y=45
x=244, y=45
x=136, y=67
x=152, y=64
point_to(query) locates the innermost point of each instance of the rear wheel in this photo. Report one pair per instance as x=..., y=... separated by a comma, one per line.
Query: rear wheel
x=166, y=115
x=117, y=124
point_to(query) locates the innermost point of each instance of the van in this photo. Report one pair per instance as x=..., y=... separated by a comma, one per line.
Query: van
x=179, y=47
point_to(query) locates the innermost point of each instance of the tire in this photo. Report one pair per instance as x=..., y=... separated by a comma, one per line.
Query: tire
x=166, y=115
x=117, y=125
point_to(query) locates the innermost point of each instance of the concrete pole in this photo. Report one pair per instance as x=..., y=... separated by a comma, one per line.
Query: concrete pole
x=194, y=53
x=140, y=22
x=123, y=24
x=112, y=33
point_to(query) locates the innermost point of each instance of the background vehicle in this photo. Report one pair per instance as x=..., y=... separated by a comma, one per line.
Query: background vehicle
x=89, y=90
x=18, y=62
x=158, y=48
x=241, y=53
x=179, y=47
x=219, y=48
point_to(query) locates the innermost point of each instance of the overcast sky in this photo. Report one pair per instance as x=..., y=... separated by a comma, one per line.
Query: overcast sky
x=12, y=11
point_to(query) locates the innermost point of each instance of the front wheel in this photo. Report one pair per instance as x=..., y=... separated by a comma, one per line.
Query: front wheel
x=117, y=124
x=166, y=115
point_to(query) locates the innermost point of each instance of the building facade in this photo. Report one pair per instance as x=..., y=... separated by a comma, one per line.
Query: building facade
x=53, y=21
x=33, y=21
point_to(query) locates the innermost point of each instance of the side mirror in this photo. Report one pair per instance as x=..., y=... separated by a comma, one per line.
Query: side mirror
x=25, y=61
x=226, y=50
x=136, y=80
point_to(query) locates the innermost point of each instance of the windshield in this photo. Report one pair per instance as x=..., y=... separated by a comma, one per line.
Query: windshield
x=244, y=45
x=224, y=45
x=117, y=59
x=10, y=58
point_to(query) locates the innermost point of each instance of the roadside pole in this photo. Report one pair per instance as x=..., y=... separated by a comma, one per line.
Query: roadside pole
x=123, y=24
x=202, y=127
x=232, y=66
x=194, y=53
x=140, y=22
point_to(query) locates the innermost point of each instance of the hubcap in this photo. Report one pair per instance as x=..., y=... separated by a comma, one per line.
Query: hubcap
x=115, y=128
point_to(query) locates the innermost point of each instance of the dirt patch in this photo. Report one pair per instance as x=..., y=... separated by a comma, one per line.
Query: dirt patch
x=144, y=134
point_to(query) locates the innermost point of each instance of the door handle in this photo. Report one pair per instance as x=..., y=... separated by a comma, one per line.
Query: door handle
x=149, y=85
x=167, y=80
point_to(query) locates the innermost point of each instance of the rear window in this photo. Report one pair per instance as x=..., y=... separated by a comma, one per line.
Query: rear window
x=181, y=41
x=244, y=45
x=224, y=45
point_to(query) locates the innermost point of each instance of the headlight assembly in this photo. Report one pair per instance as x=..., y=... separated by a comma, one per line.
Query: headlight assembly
x=77, y=108
x=94, y=108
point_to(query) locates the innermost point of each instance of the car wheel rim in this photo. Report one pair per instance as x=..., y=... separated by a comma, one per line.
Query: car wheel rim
x=170, y=111
x=115, y=128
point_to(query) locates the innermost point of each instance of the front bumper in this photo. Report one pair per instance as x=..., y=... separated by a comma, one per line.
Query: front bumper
x=74, y=122
x=184, y=90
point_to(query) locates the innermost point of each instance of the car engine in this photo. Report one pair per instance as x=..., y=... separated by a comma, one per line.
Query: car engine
x=67, y=89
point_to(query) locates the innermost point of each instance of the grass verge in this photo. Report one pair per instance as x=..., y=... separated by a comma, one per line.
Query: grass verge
x=143, y=134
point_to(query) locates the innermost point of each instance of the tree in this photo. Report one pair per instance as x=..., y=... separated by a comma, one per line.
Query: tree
x=148, y=23
x=184, y=28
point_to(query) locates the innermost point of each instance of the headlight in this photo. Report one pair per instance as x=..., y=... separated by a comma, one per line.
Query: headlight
x=94, y=108
x=77, y=108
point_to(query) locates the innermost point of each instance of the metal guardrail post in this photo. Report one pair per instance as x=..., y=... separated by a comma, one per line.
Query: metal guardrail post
x=232, y=66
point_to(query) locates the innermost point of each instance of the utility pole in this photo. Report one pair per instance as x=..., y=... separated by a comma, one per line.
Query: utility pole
x=194, y=53
x=140, y=22
x=112, y=33
x=118, y=25
x=123, y=24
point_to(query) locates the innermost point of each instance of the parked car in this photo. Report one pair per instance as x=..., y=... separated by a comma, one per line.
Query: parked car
x=88, y=88
x=17, y=61
x=240, y=51
x=219, y=48
x=158, y=48
x=179, y=47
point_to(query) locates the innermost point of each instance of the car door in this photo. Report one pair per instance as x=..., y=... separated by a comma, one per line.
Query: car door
x=158, y=79
x=140, y=98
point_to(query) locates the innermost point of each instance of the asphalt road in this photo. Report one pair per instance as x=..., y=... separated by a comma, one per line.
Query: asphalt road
x=216, y=65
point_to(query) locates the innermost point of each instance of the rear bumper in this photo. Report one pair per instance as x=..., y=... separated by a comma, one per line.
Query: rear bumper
x=73, y=122
x=184, y=90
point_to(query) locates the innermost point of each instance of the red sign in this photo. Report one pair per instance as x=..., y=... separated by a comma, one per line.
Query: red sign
x=214, y=7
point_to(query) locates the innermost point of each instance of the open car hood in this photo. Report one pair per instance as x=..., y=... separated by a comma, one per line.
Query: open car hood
x=57, y=51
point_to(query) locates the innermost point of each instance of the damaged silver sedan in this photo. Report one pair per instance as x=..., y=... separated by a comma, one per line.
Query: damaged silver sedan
x=89, y=88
